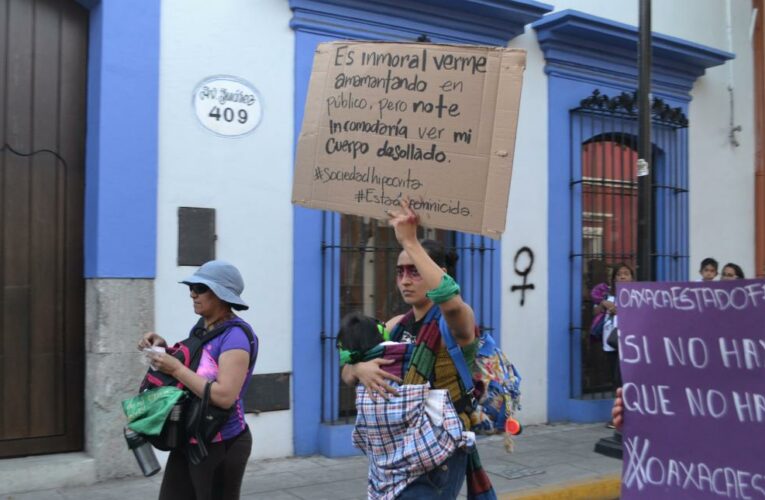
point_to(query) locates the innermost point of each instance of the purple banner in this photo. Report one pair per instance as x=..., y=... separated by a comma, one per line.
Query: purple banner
x=693, y=367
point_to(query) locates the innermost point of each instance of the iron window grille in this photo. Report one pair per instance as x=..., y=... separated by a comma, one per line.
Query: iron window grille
x=604, y=195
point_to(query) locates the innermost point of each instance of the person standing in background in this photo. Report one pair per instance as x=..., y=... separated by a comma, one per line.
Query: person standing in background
x=731, y=271
x=708, y=269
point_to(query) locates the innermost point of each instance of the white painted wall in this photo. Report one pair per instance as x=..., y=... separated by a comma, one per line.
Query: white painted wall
x=247, y=180
x=524, y=328
x=721, y=193
x=721, y=179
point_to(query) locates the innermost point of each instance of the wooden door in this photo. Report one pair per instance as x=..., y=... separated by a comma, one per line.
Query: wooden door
x=43, y=77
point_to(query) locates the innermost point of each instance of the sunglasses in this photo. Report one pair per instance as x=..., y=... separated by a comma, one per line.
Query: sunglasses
x=198, y=288
x=412, y=271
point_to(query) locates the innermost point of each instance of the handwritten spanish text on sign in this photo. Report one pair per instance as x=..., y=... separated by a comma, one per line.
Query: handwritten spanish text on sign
x=436, y=123
x=693, y=363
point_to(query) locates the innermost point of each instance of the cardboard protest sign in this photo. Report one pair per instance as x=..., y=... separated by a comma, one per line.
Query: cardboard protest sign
x=693, y=368
x=435, y=123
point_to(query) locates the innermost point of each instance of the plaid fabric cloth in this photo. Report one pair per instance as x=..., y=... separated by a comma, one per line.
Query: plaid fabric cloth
x=401, y=440
x=430, y=363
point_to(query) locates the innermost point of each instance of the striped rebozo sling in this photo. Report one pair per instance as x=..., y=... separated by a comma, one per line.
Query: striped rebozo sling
x=400, y=354
x=432, y=363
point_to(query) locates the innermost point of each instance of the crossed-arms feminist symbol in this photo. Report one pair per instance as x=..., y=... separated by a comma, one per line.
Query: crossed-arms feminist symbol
x=635, y=470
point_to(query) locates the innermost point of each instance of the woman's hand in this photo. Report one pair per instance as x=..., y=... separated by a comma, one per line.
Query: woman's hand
x=404, y=222
x=608, y=307
x=374, y=378
x=151, y=339
x=617, y=412
x=233, y=369
x=165, y=363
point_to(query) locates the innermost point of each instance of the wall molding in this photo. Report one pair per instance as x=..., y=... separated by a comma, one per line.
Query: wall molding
x=443, y=21
x=585, y=47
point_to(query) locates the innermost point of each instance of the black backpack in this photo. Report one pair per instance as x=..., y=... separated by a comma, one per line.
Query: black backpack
x=189, y=352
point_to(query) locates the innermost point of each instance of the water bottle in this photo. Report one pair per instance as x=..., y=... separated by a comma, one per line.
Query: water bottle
x=143, y=452
x=173, y=427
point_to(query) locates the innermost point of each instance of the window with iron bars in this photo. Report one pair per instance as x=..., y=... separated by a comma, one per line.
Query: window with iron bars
x=359, y=257
x=604, y=215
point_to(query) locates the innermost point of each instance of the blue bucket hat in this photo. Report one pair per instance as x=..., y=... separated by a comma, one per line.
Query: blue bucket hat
x=223, y=279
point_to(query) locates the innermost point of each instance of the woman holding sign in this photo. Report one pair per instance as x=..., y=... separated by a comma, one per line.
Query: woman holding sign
x=432, y=295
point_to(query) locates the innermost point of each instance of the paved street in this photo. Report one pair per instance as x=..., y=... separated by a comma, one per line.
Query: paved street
x=547, y=457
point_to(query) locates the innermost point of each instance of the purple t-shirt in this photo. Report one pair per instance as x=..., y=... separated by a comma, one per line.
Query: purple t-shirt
x=233, y=338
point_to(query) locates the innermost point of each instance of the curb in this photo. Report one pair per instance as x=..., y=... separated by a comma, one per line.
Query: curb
x=606, y=488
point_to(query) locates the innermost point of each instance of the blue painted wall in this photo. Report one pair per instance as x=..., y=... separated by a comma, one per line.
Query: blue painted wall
x=122, y=139
x=308, y=266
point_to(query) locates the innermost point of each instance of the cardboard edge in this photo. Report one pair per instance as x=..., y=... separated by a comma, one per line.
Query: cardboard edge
x=513, y=64
x=497, y=190
x=302, y=183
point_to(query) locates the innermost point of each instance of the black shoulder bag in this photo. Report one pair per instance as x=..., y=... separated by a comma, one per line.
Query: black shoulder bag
x=203, y=420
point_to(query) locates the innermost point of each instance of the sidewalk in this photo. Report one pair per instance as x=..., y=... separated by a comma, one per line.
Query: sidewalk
x=550, y=461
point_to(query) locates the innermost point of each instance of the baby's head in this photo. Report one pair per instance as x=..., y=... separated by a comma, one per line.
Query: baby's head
x=358, y=334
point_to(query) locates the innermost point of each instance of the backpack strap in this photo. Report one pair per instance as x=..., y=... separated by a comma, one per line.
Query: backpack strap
x=200, y=336
x=455, y=352
x=434, y=314
x=253, y=342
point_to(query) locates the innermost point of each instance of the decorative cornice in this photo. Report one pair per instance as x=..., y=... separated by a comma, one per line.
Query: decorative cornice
x=487, y=22
x=626, y=104
x=582, y=46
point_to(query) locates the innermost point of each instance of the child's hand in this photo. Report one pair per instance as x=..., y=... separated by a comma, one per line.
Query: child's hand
x=375, y=379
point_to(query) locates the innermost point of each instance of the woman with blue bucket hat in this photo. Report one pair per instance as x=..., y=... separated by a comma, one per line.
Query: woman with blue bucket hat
x=225, y=365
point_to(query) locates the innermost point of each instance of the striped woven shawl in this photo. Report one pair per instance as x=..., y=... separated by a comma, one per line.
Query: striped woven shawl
x=430, y=363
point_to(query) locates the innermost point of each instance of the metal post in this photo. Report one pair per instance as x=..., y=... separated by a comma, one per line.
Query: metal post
x=645, y=169
x=612, y=446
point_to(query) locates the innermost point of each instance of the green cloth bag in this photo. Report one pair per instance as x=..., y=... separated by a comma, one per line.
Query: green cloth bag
x=147, y=412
